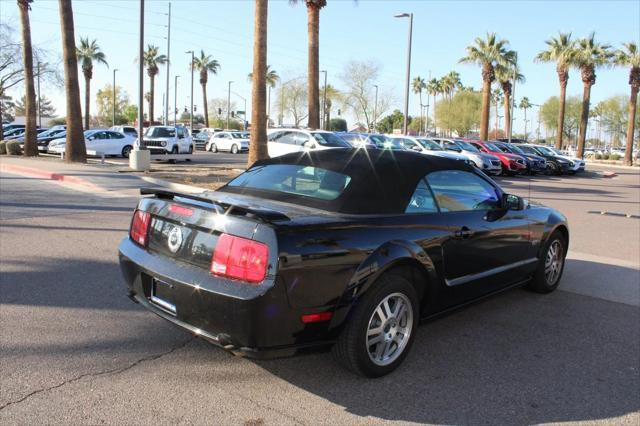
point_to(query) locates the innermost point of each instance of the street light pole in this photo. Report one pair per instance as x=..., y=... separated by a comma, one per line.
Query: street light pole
x=191, y=115
x=513, y=95
x=324, y=102
x=39, y=100
x=175, y=100
x=375, y=110
x=113, y=119
x=426, y=121
x=166, y=105
x=244, y=115
x=141, y=77
x=406, y=90
x=228, y=102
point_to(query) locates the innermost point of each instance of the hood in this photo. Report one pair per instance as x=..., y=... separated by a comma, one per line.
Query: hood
x=448, y=154
x=486, y=156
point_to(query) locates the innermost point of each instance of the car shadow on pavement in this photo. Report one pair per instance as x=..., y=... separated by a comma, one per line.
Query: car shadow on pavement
x=515, y=358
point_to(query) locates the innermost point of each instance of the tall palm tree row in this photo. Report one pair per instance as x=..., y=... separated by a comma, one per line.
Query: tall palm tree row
x=152, y=59
x=418, y=85
x=488, y=53
x=433, y=89
x=506, y=75
x=258, y=142
x=589, y=55
x=271, y=78
x=629, y=56
x=561, y=51
x=205, y=64
x=497, y=97
x=75, y=149
x=87, y=53
x=30, y=147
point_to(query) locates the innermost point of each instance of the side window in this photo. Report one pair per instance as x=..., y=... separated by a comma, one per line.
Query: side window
x=274, y=136
x=457, y=190
x=287, y=137
x=409, y=144
x=477, y=145
x=299, y=138
x=421, y=200
x=115, y=135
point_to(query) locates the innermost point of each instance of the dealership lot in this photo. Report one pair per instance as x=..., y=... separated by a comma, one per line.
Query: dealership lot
x=75, y=349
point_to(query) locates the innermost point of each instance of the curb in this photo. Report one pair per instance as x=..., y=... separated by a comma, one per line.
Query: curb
x=173, y=186
x=43, y=174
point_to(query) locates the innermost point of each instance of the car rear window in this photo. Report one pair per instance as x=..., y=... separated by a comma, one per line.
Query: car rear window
x=306, y=181
x=329, y=139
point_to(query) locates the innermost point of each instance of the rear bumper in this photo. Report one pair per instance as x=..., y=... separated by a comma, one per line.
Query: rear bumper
x=246, y=320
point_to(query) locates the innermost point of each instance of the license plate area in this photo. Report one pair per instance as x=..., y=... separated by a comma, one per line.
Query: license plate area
x=162, y=295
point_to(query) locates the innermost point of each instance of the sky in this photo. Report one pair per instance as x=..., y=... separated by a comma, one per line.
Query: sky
x=363, y=30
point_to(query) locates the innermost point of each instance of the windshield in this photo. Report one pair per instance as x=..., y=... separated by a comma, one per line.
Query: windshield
x=306, y=181
x=329, y=139
x=160, y=132
x=88, y=133
x=430, y=145
x=492, y=147
x=239, y=135
x=467, y=146
x=545, y=150
x=514, y=148
x=556, y=151
x=50, y=132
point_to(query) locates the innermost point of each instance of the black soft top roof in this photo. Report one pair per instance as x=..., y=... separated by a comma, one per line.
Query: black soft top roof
x=382, y=181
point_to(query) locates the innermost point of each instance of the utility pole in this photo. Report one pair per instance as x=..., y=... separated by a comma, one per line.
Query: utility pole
x=191, y=65
x=244, y=115
x=426, y=124
x=228, y=103
x=166, y=105
x=513, y=96
x=375, y=110
x=113, y=119
x=406, y=90
x=175, y=100
x=323, y=124
x=39, y=107
x=141, y=74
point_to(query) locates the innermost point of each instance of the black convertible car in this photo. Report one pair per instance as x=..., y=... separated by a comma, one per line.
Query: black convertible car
x=350, y=248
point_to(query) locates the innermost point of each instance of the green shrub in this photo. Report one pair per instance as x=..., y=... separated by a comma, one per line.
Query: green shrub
x=3, y=148
x=13, y=148
x=614, y=157
x=598, y=156
x=605, y=156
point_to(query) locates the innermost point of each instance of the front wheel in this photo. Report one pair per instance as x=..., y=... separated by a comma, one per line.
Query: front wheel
x=381, y=330
x=126, y=151
x=213, y=148
x=234, y=149
x=551, y=265
x=174, y=150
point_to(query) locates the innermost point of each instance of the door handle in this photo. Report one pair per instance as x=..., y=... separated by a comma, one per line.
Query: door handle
x=463, y=233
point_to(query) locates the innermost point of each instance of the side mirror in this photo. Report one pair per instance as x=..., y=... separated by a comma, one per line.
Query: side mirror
x=512, y=202
x=416, y=148
x=309, y=144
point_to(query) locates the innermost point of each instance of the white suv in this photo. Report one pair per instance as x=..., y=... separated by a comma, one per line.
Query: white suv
x=285, y=141
x=167, y=140
x=234, y=142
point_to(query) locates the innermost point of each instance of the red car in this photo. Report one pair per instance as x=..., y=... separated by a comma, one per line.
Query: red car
x=512, y=164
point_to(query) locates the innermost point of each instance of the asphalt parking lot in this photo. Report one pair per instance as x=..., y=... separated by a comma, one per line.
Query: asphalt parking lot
x=76, y=350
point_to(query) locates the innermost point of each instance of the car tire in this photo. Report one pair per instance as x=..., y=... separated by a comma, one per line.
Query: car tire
x=126, y=151
x=551, y=265
x=554, y=169
x=234, y=149
x=354, y=347
x=190, y=149
x=213, y=148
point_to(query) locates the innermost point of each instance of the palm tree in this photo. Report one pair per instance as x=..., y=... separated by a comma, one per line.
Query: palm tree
x=630, y=57
x=560, y=50
x=505, y=75
x=75, y=149
x=30, y=147
x=205, y=64
x=258, y=143
x=87, y=52
x=333, y=94
x=488, y=53
x=433, y=89
x=497, y=97
x=525, y=105
x=418, y=86
x=589, y=55
x=452, y=83
x=151, y=59
x=271, y=78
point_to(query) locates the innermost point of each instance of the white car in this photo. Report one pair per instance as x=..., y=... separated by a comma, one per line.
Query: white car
x=167, y=140
x=488, y=163
x=429, y=147
x=100, y=142
x=578, y=163
x=285, y=141
x=234, y=142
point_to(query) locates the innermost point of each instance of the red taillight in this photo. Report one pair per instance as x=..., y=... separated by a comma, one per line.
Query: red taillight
x=140, y=227
x=180, y=210
x=319, y=317
x=240, y=259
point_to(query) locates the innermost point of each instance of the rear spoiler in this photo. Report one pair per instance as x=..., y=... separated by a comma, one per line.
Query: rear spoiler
x=265, y=215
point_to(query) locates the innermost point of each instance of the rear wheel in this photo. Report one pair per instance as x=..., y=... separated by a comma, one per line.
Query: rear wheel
x=174, y=150
x=234, y=149
x=213, y=148
x=381, y=329
x=554, y=169
x=126, y=151
x=551, y=265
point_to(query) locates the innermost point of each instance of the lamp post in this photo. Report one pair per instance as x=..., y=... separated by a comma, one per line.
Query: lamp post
x=323, y=125
x=244, y=115
x=375, y=110
x=191, y=115
x=175, y=100
x=140, y=76
x=113, y=119
x=228, y=103
x=406, y=90
x=39, y=108
x=166, y=104
x=513, y=95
